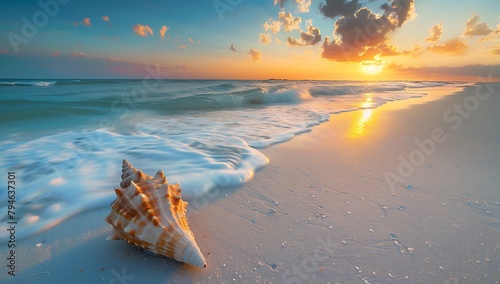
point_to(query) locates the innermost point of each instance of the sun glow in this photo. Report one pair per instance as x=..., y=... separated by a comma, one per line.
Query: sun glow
x=371, y=69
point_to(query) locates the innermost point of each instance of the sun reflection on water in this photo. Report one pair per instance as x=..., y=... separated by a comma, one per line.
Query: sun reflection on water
x=358, y=127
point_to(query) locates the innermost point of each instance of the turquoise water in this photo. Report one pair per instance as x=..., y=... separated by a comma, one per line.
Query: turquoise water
x=65, y=139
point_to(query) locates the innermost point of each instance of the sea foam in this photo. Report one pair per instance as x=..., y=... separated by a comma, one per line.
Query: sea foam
x=67, y=142
x=28, y=83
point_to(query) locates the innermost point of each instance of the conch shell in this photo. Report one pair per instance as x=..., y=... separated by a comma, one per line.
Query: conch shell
x=149, y=213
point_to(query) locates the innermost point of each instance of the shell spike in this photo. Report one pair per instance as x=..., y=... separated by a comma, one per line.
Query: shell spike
x=159, y=174
x=119, y=192
x=114, y=236
x=176, y=188
x=139, y=176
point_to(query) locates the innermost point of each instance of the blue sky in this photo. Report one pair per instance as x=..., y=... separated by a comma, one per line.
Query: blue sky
x=77, y=42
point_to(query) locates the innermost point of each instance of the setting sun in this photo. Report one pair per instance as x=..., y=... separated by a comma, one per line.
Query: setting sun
x=371, y=69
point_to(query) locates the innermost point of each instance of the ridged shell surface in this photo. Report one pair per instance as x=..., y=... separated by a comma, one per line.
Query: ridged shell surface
x=149, y=213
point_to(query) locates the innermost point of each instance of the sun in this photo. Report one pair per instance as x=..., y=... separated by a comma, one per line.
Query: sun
x=371, y=68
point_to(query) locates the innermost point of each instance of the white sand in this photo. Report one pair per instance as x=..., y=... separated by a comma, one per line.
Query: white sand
x=322, y=210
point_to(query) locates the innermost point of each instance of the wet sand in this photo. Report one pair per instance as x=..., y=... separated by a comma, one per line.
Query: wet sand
x=404, y=193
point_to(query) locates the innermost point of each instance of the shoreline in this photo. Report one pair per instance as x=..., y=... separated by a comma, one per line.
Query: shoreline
x=321, y=211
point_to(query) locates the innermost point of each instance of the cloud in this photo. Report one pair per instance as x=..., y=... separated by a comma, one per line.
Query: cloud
x=473, y=28
x=233, y=49
x=77, y=54
x=56, y=53
x=142, y=30
x=468, y=72
x=358, y=36
x=382, y=49
x=486, y=38
x=495, y=51
x=286, y=20
x=190, y=40
x=181, y=66
x=303, y=5
x=265, y=39
x=293, y=42
x=4, y=51
x=415, y=51
x=273, y=26
x=86, y=22
x=163, y=30
x=105, y=18
x=453, y=46
x=311, y=37
x=289, y=22
x=256, y=55
x=281, y=2
x=400, y=11
x=435, y=33
x=334, y=8
x=492, y=35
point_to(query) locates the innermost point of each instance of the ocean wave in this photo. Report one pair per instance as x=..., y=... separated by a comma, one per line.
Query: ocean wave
x=93, y=82
x=356, y=89
x=28, y=83
x=230, y=100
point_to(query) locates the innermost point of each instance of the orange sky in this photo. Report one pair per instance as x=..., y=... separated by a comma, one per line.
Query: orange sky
x=294, y=39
